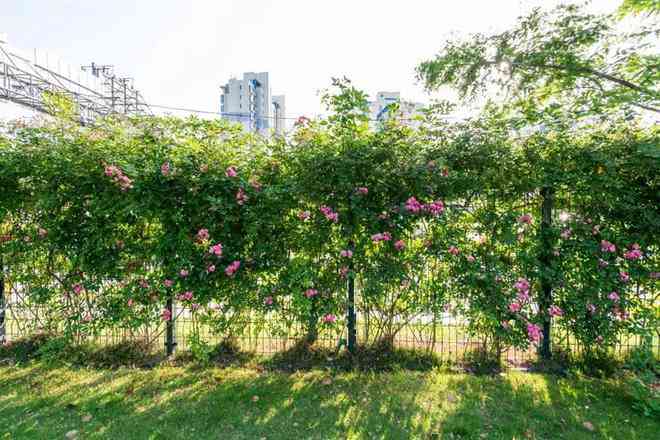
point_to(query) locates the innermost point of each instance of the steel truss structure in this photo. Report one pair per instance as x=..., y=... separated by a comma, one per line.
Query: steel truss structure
x=26, y=81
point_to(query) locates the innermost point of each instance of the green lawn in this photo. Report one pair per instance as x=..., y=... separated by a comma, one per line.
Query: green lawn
x=37, y=401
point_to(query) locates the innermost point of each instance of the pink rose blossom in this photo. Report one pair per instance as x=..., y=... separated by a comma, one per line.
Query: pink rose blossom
x=184, y=273
x=165, y=169
x=599, y=339
x=216, y=250
x=555, y=311
x=203, y=234
x=343, y=272
x=310, y=293
x=77, y=288
x=232, y=268
x=329, y=318
x=525, y=219
x=241, y=197
x=129, y=303
x=470, y=258
x=231, y=172
x=453, y=250
x=144, y=284
x=534, y=332
x=381, y=236
x=514, y=307
x=362, y=190
x=166, y=315
x=168, y=283
x=606, y=246
x=268, y=301
x=522, y=285
x=346, y=253
x=624, y=277
x=614, y=296
x=400, y=245
x=210, y=269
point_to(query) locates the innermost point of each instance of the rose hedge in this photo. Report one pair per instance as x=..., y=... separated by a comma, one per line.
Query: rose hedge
x=101, y=225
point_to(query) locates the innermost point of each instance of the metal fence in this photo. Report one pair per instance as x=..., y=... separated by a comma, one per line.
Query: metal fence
x=447, y=338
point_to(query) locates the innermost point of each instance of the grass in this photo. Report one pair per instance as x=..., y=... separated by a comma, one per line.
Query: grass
x=44, y=401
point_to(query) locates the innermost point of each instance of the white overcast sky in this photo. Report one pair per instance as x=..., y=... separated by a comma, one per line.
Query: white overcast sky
x=180, y=51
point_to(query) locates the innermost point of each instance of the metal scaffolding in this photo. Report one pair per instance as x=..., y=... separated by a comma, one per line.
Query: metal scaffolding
x=25, y=80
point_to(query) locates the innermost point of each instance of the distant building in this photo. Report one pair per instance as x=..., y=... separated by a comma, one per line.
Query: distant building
x=383, y=107
x=248, y=101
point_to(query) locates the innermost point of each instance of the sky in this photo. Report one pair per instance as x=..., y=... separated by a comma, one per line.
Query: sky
x=179, y=52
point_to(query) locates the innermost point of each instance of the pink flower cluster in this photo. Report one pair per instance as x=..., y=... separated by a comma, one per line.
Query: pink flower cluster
x=400, y=245
x=346, y=253
x=453, y=250
x=362, y=190
x=525, y=219
x=522, y=286
x=329, y=213
x=210, y=268
x=268, y=301
x=624, y=276
x=381, y=236
x=614, y=296
x=343, y=272
x=434, y=208
x=77, y=288
x=185, y=296
x=231, y=172
x=534, y=332
x=606, y=246
x=470, y=258
x=168, y=283
x=329, y=318
x=555, y=311
x=635, y=253
x=412, y=205
x=232, y=268
x=241, y=197
x=121, y=179
x=311, y=293
x=166, y=315
x=184, y=273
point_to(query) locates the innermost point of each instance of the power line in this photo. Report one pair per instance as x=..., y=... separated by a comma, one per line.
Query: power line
x=247, y=116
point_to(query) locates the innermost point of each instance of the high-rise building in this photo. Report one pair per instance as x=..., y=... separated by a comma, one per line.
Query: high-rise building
x=248, y=101
x=382, y=108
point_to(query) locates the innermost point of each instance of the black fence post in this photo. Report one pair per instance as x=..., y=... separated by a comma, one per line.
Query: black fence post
x=545, y=301
x=170, y=329
x=352, y=332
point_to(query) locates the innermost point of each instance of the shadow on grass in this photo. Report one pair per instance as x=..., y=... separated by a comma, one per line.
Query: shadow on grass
x=46, y=402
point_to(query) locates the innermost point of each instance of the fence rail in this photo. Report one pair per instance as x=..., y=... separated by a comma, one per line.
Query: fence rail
x=451, y=342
